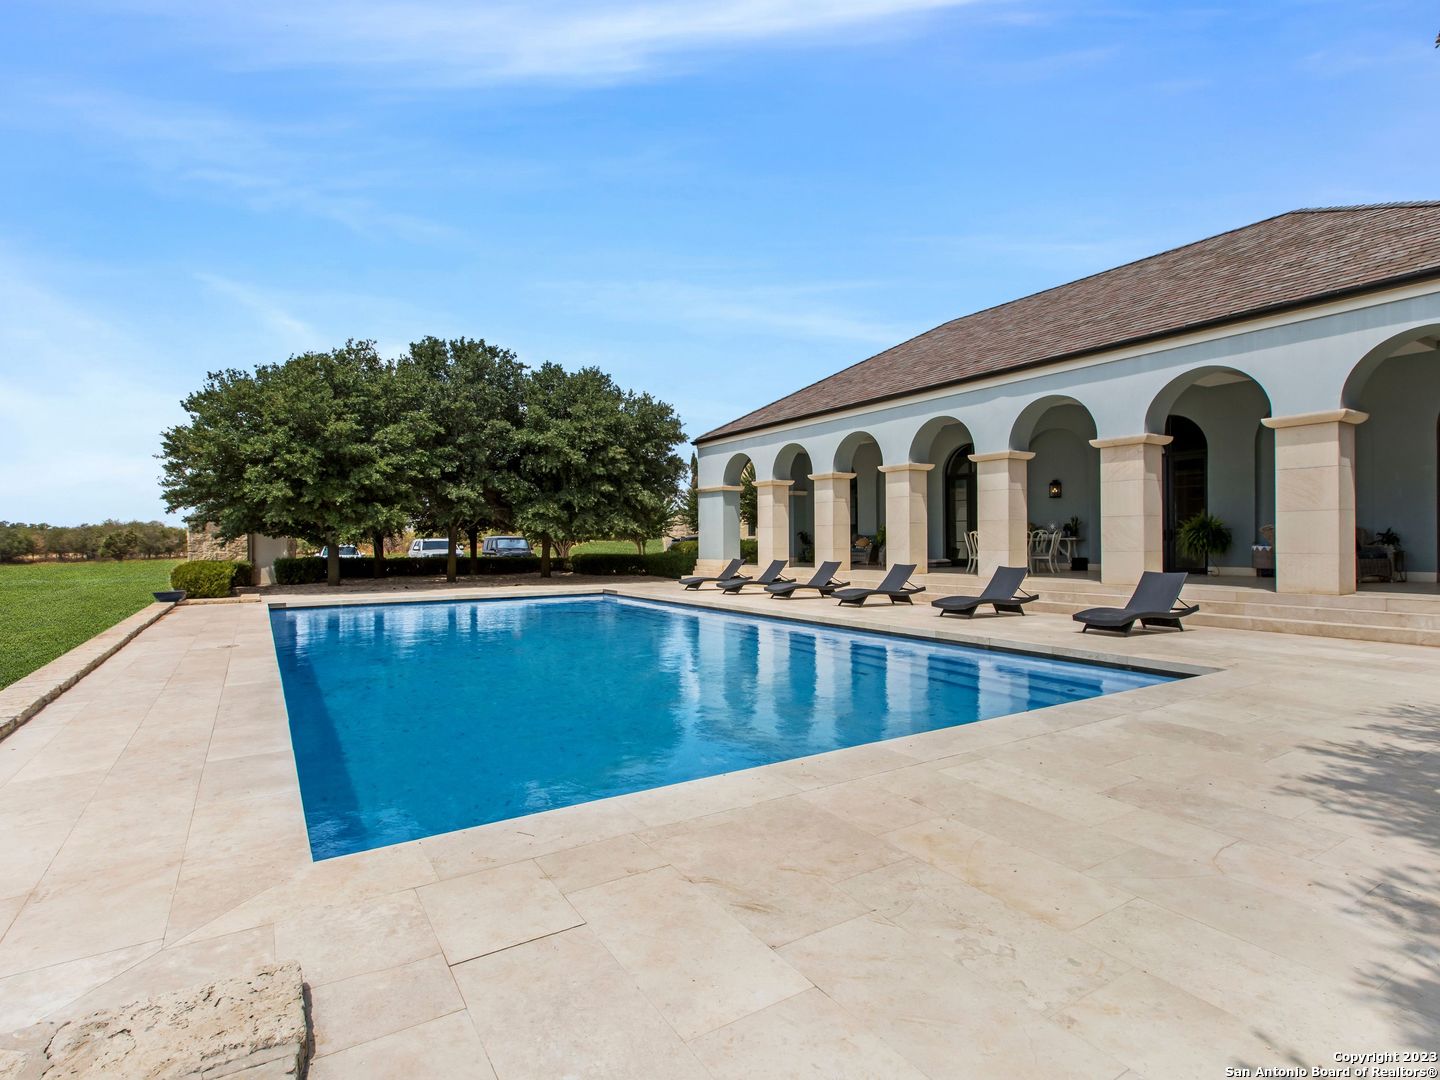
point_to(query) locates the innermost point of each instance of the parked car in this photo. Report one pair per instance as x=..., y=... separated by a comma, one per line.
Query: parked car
x=347, y=551
x=430, y=547
x=506, y=547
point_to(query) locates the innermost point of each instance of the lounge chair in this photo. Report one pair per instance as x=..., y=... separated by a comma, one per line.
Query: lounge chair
x=896, y=587
x=770, y=577
x=1156, y=603
x=730, y=573
x=1003, y=593
x=822, y=582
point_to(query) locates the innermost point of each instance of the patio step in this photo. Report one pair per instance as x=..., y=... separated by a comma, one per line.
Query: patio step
x=1310, y=622
x=1411, y=617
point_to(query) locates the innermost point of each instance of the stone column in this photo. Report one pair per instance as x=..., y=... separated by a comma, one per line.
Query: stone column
x=1132, y=529
x=832, y=517
x=772, y=529
x=907, y=520
x=719, y=527
x=1001, y=510
x=1315, y=501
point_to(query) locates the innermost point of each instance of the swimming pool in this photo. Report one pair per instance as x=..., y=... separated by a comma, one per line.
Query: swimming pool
x=413, y=719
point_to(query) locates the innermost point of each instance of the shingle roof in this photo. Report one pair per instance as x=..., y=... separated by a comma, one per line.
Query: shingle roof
x=1290, y=260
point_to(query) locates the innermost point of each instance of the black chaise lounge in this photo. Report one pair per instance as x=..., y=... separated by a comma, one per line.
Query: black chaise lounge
x=1156, y=603
x=1003, y=593
x=730, y=573
x=823, y=581
x=896, y=587
x=769, y=577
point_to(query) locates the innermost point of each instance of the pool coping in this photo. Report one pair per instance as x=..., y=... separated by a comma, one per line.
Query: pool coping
x=942, y=634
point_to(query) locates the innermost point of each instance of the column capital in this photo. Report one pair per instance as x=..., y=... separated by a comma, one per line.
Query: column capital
x=1146, y=439
x=1002, y=455
x=719, y=487
x=832, y=476
x=908, y=466
x=1331, y=416
x=773, y=483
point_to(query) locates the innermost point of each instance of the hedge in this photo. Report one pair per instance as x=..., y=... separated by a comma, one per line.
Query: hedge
x=671, y=564
x=207, y=579
x=749, y=550
x=310, y=570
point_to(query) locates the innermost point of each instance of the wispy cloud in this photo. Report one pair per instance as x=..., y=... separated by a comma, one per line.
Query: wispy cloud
x=462, y=42
x=299, y=168
x=81, y=417
x=785, y=311
x=294, y=333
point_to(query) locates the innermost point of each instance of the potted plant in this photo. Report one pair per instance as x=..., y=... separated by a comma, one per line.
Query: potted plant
x=1388, y=538
x=1201, y=536
x=1071, y=528
x=880, y=541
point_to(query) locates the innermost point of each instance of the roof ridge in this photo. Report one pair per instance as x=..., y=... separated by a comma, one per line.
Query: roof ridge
x=1397, y=204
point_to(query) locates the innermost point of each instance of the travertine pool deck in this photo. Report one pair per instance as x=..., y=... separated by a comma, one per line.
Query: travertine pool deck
x=1238, y=868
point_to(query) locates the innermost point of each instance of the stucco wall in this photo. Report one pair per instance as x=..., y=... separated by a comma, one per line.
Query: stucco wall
x=1395, y=451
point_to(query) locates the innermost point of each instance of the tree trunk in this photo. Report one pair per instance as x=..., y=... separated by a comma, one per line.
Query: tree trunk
x=545, y=555
x=639, y=547
x=378, y=540
x=474, y=548
x=332, y=563
x=452, y=535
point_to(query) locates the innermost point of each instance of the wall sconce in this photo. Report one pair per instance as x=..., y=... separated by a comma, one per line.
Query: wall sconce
x=1055, y=489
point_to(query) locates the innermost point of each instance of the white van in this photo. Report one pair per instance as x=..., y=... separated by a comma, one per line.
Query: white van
x=430, y=548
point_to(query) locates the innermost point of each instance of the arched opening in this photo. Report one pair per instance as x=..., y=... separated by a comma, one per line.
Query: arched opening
x=947, y=444
x=1220, y=462
x=959, y=510
x=1063, y=478
x=737, y=507
x=1397, y=458
x=794, y=464
x=1186, y=478
x=859, y=453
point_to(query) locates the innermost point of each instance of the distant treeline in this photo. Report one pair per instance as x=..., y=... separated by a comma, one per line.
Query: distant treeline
x=108, y=540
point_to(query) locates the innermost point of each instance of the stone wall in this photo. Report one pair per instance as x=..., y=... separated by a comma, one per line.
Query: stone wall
x=206, y=544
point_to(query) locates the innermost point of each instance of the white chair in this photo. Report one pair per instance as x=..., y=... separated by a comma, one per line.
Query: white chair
x=972, y=554
x=1042, y=545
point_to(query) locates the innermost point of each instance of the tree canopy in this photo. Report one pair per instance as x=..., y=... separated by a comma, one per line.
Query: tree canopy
x=453, y=436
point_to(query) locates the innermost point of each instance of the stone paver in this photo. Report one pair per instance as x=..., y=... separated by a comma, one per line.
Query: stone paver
x=1236, y=868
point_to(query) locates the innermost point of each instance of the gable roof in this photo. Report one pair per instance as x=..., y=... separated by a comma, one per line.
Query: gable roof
x=1291, y=260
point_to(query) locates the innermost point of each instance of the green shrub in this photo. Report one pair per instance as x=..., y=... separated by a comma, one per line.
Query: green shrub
x=299, y=571
x=608, y=563
x=208, y=578
x=686, y=547
x=672, y=564
x=750, y=550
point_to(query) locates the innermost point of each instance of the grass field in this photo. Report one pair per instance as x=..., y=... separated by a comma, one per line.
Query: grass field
x=49, y=608
x=615, y=547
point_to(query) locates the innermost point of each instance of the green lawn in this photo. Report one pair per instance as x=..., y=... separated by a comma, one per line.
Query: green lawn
x=49, y=608
x=615, y=547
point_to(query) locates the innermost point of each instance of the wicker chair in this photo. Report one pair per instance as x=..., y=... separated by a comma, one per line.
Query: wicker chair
x=1371, y=560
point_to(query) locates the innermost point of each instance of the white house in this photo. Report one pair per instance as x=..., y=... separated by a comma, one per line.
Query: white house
x=1285, y=373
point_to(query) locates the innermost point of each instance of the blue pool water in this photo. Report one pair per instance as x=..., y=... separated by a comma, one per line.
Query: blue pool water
x=420, y=718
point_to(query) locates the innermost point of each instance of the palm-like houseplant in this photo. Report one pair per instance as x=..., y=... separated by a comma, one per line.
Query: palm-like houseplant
x=1201, y=536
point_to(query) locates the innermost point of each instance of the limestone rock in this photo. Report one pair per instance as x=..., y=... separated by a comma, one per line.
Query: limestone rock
x=240, y=1029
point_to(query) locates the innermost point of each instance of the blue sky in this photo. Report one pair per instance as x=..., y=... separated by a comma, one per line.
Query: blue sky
x=718, y=202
